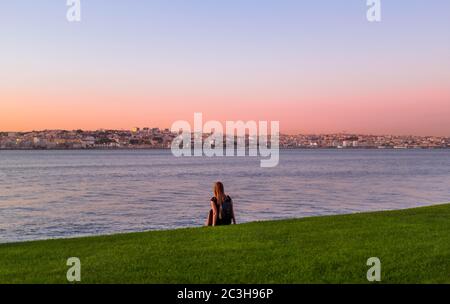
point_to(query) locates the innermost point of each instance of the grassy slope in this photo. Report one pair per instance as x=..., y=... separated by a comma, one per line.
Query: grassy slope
x=413, y=245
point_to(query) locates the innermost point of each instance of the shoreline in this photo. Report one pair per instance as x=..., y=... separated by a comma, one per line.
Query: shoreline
x=327, y=249
x=203, y=227
x=281, y=148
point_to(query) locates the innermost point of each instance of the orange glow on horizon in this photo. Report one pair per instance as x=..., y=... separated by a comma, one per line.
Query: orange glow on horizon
x=419, y=112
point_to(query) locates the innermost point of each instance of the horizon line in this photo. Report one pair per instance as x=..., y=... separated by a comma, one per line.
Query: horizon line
x=281, y=133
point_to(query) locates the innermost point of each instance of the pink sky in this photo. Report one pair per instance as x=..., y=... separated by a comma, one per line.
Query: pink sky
x=421, y=111
x=315, y=66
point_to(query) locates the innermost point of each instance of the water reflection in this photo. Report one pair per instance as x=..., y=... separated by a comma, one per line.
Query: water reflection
x=45, y=194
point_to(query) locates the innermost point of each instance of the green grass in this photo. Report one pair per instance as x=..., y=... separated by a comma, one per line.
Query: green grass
x=413, y=245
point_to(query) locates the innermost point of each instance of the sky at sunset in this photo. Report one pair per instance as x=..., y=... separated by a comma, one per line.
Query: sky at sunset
x=316, y=66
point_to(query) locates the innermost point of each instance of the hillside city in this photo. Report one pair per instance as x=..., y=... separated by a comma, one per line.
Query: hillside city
x=156, y=138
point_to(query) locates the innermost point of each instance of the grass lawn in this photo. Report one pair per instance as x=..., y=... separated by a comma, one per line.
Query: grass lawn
x=413, y=246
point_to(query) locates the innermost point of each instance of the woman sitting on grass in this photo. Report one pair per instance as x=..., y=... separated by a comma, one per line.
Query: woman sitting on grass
x=222, y=211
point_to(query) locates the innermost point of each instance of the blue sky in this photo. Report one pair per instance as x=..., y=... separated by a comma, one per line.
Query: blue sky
x=290, y=51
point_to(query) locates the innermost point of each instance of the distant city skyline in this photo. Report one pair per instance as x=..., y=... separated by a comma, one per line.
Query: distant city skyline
x=317, y=67
x=151, y=138
x=150, y=128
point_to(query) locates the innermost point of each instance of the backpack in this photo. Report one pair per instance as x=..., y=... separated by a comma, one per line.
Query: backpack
x=227, y=211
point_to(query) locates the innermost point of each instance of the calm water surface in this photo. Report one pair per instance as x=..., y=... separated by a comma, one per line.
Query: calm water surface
x=52, y=194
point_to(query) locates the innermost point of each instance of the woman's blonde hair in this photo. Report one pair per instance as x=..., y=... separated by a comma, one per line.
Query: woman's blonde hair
x=219, y=194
